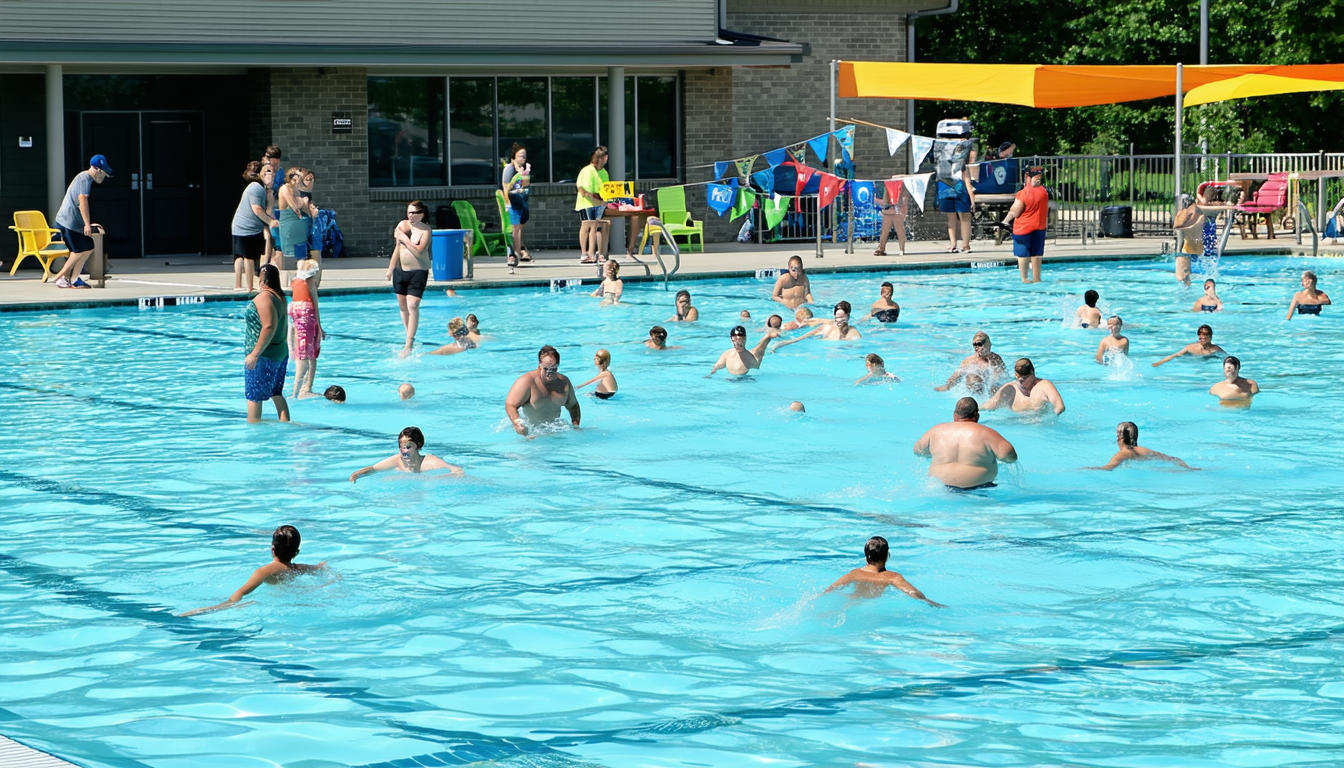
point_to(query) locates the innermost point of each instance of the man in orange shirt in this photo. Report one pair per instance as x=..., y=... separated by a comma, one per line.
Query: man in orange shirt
x=1028, y=217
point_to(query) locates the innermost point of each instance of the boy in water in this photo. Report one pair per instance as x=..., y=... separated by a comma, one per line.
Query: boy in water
x=408, y=457
x=1088, y=316
x=284, y=546
x=872, y=579
x=658, y=338
x=1115, y=342
x=877, y=372
x=1127, y=440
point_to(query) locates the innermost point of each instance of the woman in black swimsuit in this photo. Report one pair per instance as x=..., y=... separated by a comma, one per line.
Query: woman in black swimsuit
x=1308, y=301
x=884, y=310
x=606, y=381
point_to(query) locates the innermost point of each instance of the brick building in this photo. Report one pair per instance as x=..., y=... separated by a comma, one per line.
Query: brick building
x=180, y=97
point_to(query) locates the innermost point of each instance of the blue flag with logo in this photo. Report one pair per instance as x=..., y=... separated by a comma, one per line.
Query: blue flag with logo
x=721, y=197
x=861, y=192
x=765, y=180
x=776, y=156
x=819, y=145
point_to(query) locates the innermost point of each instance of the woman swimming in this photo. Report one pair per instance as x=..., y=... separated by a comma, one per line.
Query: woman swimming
x=884, y=310
x=1209, y=302
x=1309, y=300
x=461, y=342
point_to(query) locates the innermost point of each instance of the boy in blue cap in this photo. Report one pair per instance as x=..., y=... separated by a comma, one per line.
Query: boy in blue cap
x=74, y=224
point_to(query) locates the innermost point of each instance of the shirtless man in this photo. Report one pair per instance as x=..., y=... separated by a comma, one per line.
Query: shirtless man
x=1234, y=390
x=792, y=289
x=1209, y=302
x=1088, y=316
x=839, y=330
x=685, y=312
x=1027, y=393
x=408, y=457
x=739, y=359
x=1114, y=343
x=1127, y=440
x=540, y=394
x=982, y=368
x=873, y=579
x=1202, y=348
x=284, y=546
x=963, y=454
x=884, y=310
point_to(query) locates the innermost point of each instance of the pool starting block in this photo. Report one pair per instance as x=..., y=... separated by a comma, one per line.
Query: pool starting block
x=159, y=302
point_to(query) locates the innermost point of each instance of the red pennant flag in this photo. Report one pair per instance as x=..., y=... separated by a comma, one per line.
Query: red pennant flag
x=829, y=187
x=894, y=191
x=804, y=176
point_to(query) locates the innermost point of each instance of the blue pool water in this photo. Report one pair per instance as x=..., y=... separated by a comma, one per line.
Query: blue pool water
x=645, y=591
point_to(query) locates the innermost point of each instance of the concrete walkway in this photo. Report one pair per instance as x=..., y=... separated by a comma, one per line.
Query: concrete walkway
x=211, y=277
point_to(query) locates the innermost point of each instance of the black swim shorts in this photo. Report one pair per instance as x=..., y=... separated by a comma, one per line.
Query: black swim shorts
x=410, y=283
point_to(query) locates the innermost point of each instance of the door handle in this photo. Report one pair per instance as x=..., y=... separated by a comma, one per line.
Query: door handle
x=149, y=181
x=135, y=181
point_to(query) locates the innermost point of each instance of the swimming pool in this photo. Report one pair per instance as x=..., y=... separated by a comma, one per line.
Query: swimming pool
x=645, y=591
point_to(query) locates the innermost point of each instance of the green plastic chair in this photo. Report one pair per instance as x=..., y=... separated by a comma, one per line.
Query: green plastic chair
x=502, y=207
x=481, y=241
x=672, y=211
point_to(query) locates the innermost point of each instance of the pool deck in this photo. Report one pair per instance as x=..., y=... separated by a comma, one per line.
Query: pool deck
x=15, y=755
x=211, y=277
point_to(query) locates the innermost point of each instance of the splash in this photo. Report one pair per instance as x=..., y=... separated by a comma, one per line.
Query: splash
x=1119, y=366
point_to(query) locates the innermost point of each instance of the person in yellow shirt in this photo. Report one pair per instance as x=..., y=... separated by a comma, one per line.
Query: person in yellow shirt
x=590, y=206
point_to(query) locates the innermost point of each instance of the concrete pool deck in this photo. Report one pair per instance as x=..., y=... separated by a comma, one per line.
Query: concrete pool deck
x=211, y=277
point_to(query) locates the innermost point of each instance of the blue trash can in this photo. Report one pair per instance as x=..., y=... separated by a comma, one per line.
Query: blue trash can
x=446, y=249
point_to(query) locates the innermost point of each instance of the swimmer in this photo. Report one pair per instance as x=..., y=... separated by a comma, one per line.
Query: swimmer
x=1202, y=348
x=606, y=380
x=774, y=321
x=965, y=455
x=541, y=393
x=284, y=546
x=474, y=328
x=335, y=393
x=1234, y=390
x=1088, y=316
x=792, y=289
x=839, y=330
x=744, y=316
x=658, y=338
x=1027, y=393
x=739, y=359
x=1209, y=302
x=877, y=372
x=685, y=312
x=982, y=368
x=797, y=407
x=872, y=579
x=461, y=342
x=406, y=391
x=1127, y=440
x=884, y=310
x=802, y=318
x=612, y=285
x=408, y=457
x=1309, y=300
x=1114, y=341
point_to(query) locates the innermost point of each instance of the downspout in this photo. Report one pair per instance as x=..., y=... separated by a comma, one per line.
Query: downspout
x=910, y=57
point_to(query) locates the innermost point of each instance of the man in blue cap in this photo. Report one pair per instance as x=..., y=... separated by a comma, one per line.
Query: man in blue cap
x=75, y=225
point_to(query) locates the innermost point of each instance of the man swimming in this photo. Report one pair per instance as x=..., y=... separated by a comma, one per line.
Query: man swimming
x=1209, y=302
x=877, y=372
x=838, y=330
x=739, y=359
x=1309, y=300
x=406, y=391
x=1088, y=316
x=963, y=454
x=540, y=394
x=658, y=338
x=884, y=310
x=284, y=547
x=1233, y=390
x=1202, y=348
x=685, y=312
x=1127, y=440
x=1114, y=343
x=982, y=369
x=1027, y=393
x=873, y=579
x=792, y=289
x=408, y=457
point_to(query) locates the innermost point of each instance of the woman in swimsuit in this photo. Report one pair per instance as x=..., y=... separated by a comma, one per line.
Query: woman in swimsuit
x=1308, y=301
x=611, y=287
x=685, y=312
x=296, y=216
x=884, y=310
x=517, y=177
x=408, y=269
x=1209, y=302
x=606, y=381
x=461, y=339
x=474, y=329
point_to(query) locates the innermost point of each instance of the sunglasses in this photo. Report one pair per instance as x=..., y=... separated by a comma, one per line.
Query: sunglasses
x=551, y=369
x=977, y=343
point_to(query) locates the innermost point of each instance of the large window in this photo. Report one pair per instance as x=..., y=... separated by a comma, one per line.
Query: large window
x=426, y=131
x=406, y=132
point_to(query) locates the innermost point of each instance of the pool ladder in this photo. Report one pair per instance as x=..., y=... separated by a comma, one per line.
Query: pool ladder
x=1304, y=216
x=657, y=253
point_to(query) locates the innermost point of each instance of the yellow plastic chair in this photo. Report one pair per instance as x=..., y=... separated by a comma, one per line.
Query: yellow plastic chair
x=35, y=240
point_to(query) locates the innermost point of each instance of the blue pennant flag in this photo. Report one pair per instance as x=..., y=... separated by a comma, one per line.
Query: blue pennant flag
x=861, y=192
x=845, y=136
x=765, y=180
x=819, y=145
x=721, y=168
x=775, y=156
x=721, y=197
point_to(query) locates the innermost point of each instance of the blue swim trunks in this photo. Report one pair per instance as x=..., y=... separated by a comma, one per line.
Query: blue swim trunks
x=1030, y=244
x=266, y=380
x=954, y=198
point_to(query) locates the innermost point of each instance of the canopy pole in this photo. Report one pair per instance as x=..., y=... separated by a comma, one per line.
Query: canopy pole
x=1180, y=107
x=835, y=74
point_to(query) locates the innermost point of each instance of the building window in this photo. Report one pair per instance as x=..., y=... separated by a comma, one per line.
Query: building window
x=406, y=132
x=427, y=131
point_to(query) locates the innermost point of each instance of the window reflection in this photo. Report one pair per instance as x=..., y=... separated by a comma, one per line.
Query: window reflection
x=657, y=124
x=573, y=100
x=471, y=128
x=406, y=132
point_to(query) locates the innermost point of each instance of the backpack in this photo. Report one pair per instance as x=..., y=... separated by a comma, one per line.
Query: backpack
x=952, y=157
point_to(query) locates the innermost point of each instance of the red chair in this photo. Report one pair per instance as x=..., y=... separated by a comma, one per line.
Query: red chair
x=1270, y=198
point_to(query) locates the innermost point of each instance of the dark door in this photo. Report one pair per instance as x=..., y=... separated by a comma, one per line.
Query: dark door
x=174, y=200
x=116, y=202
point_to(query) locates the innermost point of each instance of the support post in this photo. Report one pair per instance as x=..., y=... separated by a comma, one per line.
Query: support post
x=616, y=145
x=1320, y=194
x=1180, y=107
x=820, y=253
x=1203, y=31
x=55, y=140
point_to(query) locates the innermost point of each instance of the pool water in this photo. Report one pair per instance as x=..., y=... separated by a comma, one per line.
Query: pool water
x=646, y=591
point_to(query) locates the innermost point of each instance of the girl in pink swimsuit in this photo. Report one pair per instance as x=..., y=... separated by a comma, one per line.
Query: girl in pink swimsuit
x=306, y=333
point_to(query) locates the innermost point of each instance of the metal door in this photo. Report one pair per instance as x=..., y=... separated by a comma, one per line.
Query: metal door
x=172, y=190
x=116, y=202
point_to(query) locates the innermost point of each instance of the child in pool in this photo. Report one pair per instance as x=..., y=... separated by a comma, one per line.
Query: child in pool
x=877, y=372
x=873, y=579
x=606, y=381
x=284, y=546
x=408, y=457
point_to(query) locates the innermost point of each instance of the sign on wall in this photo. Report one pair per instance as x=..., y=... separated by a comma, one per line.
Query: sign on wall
x=342, y=122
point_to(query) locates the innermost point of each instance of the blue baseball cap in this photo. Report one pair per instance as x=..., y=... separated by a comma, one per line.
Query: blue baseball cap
x=100, y=162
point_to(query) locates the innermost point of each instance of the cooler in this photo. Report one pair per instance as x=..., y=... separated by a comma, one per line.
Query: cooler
x=446, y=250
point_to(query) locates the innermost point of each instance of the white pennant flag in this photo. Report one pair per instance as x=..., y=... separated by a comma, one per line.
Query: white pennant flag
x=895, y=139
x=917, y=186
x=921, y=145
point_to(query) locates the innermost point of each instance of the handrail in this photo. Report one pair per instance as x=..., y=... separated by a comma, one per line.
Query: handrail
x=1305, y=216
x=654, y=221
